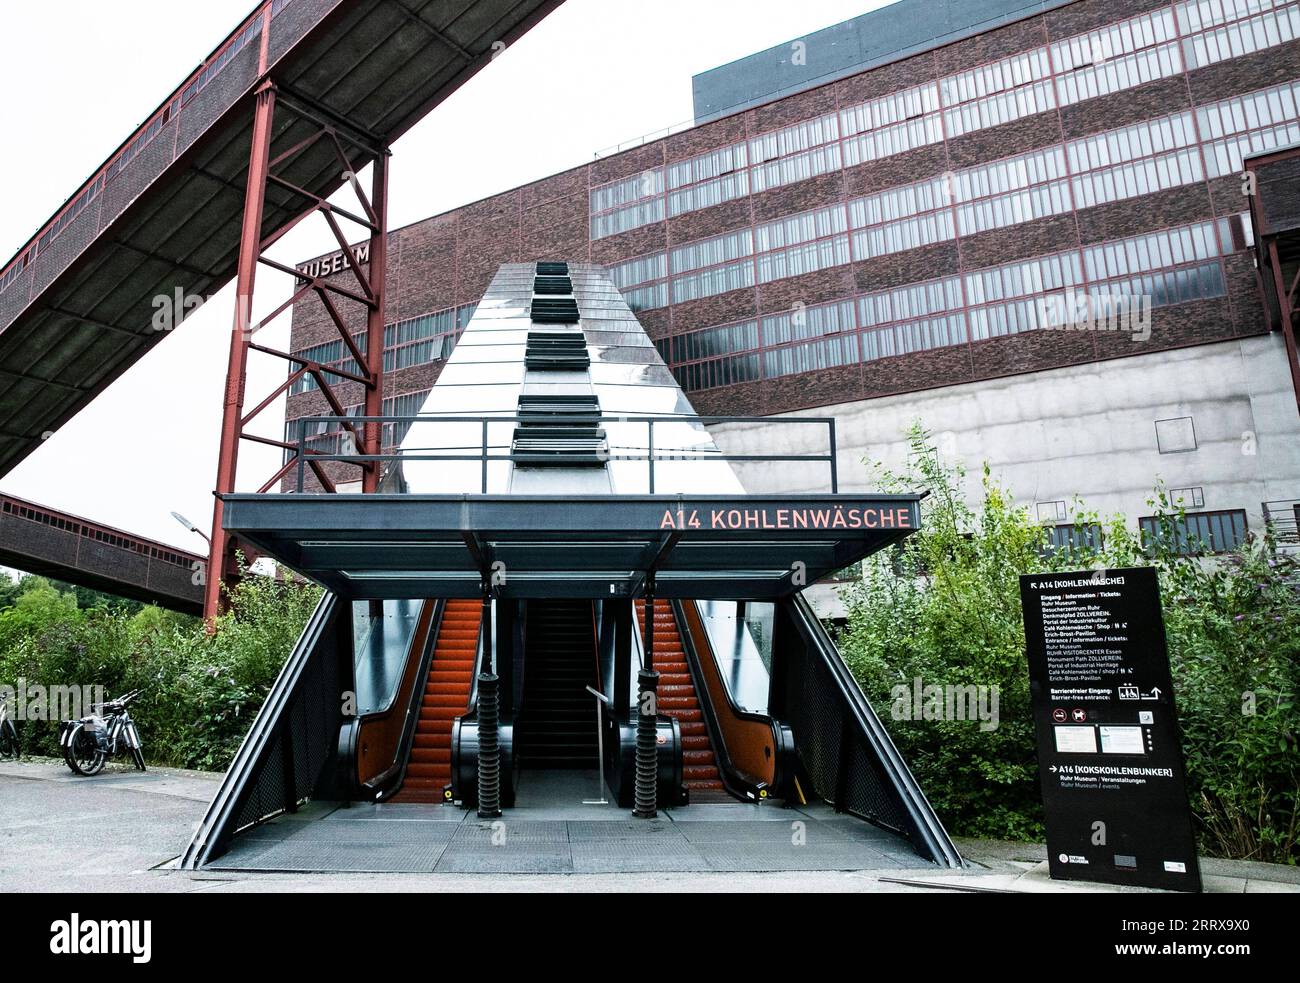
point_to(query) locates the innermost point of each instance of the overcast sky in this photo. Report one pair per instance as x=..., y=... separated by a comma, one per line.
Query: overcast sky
x=80, y=75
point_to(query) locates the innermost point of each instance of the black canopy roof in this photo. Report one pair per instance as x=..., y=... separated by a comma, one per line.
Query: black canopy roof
x=725, y=547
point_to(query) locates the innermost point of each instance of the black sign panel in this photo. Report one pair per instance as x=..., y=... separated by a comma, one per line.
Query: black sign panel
x=1109, y=756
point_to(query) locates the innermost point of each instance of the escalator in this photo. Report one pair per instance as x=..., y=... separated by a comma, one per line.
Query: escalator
x=783, y=716
x=753, y=751
x=790, y=723
x=445, y=697
x=679, y=699
x=556, y=727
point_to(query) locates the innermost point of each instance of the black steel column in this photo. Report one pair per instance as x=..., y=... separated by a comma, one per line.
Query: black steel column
x=624, y=627
x=647, y=748
x=489, y=710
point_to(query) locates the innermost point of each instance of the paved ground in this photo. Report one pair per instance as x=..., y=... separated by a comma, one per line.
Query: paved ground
x=120, y=830
x=553, y=831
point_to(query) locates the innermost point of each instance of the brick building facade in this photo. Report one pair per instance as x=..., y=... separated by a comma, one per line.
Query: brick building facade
x=901, y=230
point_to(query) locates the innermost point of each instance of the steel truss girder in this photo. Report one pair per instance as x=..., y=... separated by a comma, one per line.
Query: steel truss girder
x=370, y=295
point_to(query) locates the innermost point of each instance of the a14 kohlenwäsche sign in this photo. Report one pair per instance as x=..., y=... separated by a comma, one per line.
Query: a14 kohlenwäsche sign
x=1109, y=756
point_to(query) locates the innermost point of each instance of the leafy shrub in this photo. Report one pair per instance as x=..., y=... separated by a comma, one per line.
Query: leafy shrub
x=945, y=606
x=199, y=691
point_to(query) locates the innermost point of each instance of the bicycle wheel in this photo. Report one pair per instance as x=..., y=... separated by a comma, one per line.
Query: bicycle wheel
x=8, y=740
x=83, y=753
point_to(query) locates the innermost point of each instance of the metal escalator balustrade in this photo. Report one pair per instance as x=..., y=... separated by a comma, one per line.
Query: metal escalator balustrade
x=446, y=695
x=755, y=752
x=847, y=753
x=285, y=759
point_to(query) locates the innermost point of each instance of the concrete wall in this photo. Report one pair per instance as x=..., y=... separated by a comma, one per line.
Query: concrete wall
x=1086, y=431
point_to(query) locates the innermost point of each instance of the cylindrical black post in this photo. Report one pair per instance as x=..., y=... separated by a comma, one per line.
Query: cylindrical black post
x=489, y=748
x=647, y=747
x=489, y=717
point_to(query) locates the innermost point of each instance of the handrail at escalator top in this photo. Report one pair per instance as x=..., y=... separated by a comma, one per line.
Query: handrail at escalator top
x=481, y=658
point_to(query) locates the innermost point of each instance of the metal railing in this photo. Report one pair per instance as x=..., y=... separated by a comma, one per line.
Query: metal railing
x=487, y=453
x=1282, y=519
x=644, y=138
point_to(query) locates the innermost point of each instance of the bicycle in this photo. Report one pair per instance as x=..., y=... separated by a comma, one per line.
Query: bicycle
x=90, y=742
x=8, y=733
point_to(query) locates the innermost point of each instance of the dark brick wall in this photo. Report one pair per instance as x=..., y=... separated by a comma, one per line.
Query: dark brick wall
x=448, y=259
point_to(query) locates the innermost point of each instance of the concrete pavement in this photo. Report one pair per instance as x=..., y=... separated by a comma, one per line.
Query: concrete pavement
x=122, y=830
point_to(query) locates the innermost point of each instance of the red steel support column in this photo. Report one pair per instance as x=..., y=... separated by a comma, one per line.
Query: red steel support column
x=1287, y=311
x=374, y=432
x=222, y=554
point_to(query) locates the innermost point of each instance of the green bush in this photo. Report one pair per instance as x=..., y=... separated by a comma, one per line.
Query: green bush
x=945, y=607
x=199, y=690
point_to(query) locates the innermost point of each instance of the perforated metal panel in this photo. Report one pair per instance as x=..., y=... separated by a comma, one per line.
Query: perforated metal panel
x=292, y=743
x=841, y=763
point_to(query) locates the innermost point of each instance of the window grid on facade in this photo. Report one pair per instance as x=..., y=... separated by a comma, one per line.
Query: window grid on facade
x=1100, y=62
x=331, y=438
x=414, y=341
x=1105, y=167
x=1235, y=128
x=1195, y=533
x=1170, y=267
x=1109, y=59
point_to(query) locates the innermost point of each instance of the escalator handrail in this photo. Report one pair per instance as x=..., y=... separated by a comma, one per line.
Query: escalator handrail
x=729, y=772
x=480, y=656
x=735, y=707
x=392, y=778
x=213, y=829
x=926, y=823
